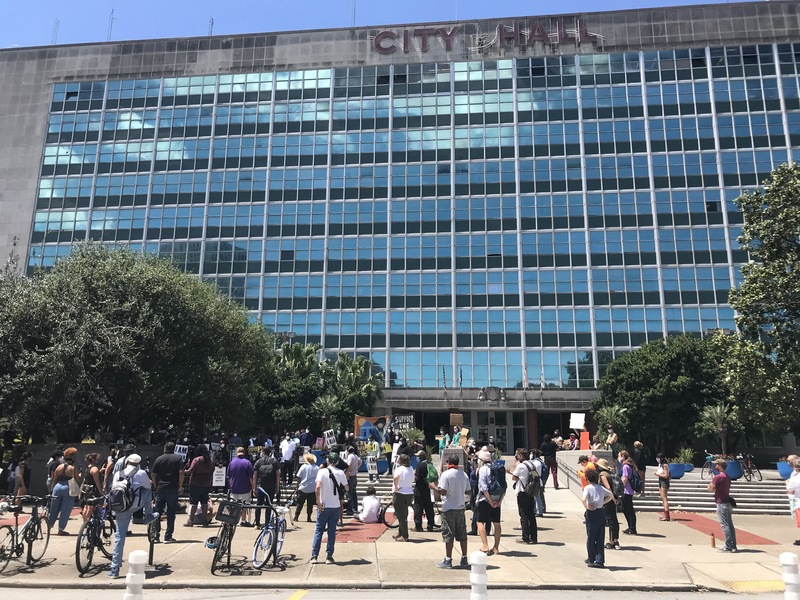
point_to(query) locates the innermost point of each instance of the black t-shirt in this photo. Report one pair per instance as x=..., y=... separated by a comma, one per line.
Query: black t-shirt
x=168, y=468
x=548, y=449
x=421, y=475
x=267, y=481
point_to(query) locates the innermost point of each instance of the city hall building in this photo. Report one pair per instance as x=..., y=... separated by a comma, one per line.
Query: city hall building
x=489, y=210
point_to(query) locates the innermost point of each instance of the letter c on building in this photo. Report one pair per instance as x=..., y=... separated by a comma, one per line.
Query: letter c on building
x=382, y=36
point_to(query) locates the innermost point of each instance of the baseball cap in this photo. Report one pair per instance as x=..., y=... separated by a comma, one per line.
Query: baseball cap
x=134, y=459
x=582, y=458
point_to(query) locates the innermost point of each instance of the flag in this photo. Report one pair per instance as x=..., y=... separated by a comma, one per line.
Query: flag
x=444, y=380
x=461, y=378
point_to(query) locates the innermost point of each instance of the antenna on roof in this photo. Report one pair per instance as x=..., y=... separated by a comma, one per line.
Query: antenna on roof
x=54, y=35
x=111, y=20
x=353, y=14
x=211, y=26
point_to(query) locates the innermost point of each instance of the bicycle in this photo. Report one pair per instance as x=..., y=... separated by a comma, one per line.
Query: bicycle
x=707, y=472
x=269, y=542
x=96, y=533
x=387, y=504
x=749, y=467
x=228, y=513
x=35, y=532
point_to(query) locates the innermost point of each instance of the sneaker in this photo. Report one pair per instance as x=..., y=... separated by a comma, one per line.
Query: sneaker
x=447, y=563
x=523, y=541
x=617, y=546
x=330, y=560
x=246, y=524
x=597, y=565
x=418, y=528
x=188, y=524
x=157, y=540
x=464, y=563
x=313, y=560
x=168, y=539
x=113, y=574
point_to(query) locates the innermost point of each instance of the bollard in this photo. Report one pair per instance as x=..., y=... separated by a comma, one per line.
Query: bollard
x=791, y=577
x=477, y=576
x=134, y=580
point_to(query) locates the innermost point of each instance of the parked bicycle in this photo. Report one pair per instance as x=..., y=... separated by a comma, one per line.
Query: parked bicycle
x=269, y=542
x=228, y=513
x=35, y=532
x=749, y=468
x=97, y=533
x=387, y=508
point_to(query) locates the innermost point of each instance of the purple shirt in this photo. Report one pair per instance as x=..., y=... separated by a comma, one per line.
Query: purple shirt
x=722, y=488
x=240, y=474
x=627, y=473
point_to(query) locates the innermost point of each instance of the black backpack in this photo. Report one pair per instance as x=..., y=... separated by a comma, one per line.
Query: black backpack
x=497, y=483
x=534, y=485
x=266, y=467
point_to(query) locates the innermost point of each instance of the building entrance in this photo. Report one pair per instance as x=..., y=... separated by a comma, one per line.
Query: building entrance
x=493, y=426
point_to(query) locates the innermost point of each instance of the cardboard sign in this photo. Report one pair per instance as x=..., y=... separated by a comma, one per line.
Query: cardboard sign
x=395, y=448
x=361, y=447
x=372, y=465
x=214, y=447
x=182, y=451
x=577, y=421
x=330, y=438
x=464, y=438
x=218, y=479
x=320, y=442
x=459, y=452
x=456, y=420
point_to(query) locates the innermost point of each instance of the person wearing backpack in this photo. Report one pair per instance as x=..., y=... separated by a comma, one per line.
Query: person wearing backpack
x=491, y=489
x=628, y=470
x=135, y=488
x=528, y=484
x=422, y=491
x=595, y=497
x=613, y=483
x=267, y=476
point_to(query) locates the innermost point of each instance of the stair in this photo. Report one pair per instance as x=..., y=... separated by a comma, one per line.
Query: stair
x=690, y=493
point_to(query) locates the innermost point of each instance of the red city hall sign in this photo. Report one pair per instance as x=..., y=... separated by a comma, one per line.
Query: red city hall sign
x=519, y=35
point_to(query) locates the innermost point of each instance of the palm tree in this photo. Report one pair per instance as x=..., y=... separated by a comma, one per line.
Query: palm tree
x=612, y=415
x=355, y=384
x=720, y=420
x=328, y=408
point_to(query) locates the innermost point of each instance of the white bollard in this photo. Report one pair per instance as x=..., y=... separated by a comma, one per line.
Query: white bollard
x=791, y=576
x=477, y=576
x=134, y=580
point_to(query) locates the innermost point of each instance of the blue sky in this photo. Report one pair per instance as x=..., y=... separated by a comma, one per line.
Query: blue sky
x=30, y=22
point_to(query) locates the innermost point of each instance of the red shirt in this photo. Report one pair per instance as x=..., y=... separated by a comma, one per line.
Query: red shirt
x=722, y=488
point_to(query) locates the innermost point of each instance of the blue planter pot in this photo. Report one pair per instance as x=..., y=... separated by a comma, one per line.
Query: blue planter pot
x=785, y=469
x=688, y=467
x=676, y=470
x=735, y=470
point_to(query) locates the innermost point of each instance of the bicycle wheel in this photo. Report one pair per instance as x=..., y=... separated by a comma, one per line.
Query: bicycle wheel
x=262, y=549
x=154, y=530
x=746, y=471
x=84, y=547
x=6, y=546
x=38, y=537
x=756, y=471
x=222, y=547
x=706, y=472
x=388, y=517
x=107, y=534
x=281, y=535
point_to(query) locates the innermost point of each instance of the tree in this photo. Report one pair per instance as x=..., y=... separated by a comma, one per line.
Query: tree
x=768, y=300
x=612, y=415
x=329, y=409
x=113, y=337
x=720, y=420
x=354, y=382
x=663, y=386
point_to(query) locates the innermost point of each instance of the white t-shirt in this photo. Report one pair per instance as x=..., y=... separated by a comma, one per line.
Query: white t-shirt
x=371, y=507
x=455, y=483
x=521, y=473
x=287, y=450
x=326, y=495
x=538, y=464
x=405, y=480
x=353, y=463
x=595, y=495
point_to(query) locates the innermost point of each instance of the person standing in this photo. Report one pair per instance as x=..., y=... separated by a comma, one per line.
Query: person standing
x=610, y=508
x=640, y=457
x=548, y=450
x=287, y=448
x=306, y=486
x=721, y=486
x=541, y=468
x=167, y=475
x=353, y=465
x=142, y=495
x=453, y=484
x=329, y=486
x=444, y=440
x=627, y=495
x=488, y=505
x=240, y=477
x=267, y=476
x=201, y=477
x=63, y=501
x=403, y=490
x=92, y=486
x=526, y=505
x=595, y=497
x=22, y=477
x=663, y=475
x=793, y=491
x=423, y=505
x=611, y=441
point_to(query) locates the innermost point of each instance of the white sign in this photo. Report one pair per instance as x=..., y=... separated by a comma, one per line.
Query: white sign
x=372, y=465
x=218, y=479
x=330, y=438
x=577, y=421
x=182, y=451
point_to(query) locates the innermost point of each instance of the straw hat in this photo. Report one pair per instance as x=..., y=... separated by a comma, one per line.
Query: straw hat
x=310, y=459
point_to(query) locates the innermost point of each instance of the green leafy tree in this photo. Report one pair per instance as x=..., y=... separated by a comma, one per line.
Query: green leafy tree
x=296, y=383
x=612, y=415
x=663, y=386
x=328, y=409
x=355, y=383
x=768, y=300
x=111, y=338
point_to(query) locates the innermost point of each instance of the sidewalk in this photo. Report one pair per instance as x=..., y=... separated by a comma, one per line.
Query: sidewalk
x=674, y=556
